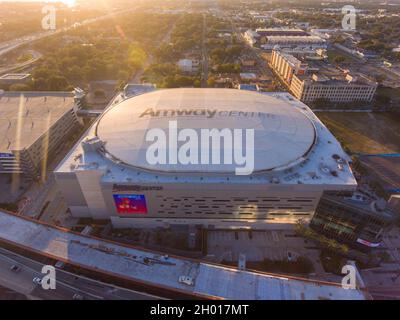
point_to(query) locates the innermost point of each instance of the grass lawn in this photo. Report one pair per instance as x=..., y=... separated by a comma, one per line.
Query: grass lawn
x=367, y=133
x=389, y=92
x=302, y=266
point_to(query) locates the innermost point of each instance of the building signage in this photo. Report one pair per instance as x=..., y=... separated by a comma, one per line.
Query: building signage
x=202, y=112
x=130, y=203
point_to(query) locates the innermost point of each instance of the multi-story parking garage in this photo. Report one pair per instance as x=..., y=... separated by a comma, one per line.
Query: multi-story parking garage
x=32, y=126
x=108, y=175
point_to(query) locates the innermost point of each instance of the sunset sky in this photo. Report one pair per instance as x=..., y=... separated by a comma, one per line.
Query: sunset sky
x=68, y=2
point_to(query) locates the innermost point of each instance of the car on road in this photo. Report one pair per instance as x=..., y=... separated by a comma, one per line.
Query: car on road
x=15, y=268
x=37, y=281
x=77, y=296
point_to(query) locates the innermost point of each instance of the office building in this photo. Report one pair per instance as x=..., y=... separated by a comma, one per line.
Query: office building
x=355, y=219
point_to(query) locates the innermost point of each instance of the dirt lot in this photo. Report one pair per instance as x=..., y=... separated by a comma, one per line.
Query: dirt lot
x=367, y=133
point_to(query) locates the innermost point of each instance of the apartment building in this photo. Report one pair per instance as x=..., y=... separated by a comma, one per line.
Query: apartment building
x=309, y=81
x=349, y=89
x=286, y=65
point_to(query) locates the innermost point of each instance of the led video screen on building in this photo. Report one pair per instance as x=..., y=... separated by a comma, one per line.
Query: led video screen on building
x=130, y=203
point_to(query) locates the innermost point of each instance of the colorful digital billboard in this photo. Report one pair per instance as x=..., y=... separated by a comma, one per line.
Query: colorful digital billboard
x=130, y=203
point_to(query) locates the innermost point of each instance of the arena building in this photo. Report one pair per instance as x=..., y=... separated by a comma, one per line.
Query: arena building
x=107, y=175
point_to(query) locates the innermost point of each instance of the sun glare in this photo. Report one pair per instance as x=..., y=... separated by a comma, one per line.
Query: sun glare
x=69, y=3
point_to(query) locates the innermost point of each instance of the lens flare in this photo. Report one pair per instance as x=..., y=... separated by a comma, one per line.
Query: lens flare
x=69, y=3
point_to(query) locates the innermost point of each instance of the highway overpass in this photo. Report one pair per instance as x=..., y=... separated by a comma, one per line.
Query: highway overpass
x=155, y=273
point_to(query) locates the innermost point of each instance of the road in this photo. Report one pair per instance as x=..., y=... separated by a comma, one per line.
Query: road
x=67, y=284
x=385, y=293
x=373, y=67
x=150, y=58
x=22, y=281
x=23, y=65
x=384, y=282
x=8, y=46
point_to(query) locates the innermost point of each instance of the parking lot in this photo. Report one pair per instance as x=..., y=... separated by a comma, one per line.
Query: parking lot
x=11, y=188
x=366, y=133
x=258, y=245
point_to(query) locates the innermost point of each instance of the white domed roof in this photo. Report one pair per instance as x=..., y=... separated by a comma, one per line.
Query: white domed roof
x=283, y=133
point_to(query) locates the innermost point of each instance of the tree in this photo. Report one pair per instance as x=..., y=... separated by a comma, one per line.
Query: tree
x=183, y=81
x=197, y=83
x=41, y=72
x=123, y=75
x=322, y=103
x=95, y=70
x=165, y=53
x=305, y=265
x=382, y=99
x=39, y=84
x=211, y=82
x=137, y=56
x=168, y=82
x=57, y=83
x=20, y=87
x=229, y=68
x=234, y=51
x=338, y=59
x=12, y=207
x=380, y=78
x=75, y=73
x=338, y=39
x=218, y=54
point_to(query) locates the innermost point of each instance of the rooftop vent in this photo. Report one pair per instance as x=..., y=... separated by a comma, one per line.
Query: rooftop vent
x=93, y=144
x=325, y=169
x=312, y=175
x=78, y=157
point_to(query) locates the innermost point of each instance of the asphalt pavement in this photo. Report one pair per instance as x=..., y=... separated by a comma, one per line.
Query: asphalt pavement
x=68, y=285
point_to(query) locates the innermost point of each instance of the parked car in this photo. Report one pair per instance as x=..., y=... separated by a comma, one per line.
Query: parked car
x=37, y=281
